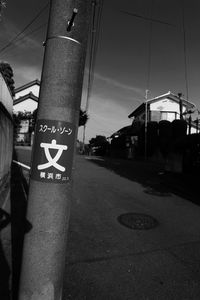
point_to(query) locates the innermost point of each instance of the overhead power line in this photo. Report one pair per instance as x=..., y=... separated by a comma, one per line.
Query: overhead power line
x=11, y=47
x=24, y=29
x=185, y=51
x=97, y=6
x=145, y=18
x=94, y=39
x=149, y=51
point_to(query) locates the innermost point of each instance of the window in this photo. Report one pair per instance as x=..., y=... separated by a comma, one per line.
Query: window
x=157, y=115
x=24, y=126
x=169, y=116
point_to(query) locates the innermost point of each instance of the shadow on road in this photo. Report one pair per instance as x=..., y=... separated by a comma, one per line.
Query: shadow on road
x=153, y=178
x=19, y=224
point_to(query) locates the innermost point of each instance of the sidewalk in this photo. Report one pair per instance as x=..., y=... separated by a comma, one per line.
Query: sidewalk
x=106, y=260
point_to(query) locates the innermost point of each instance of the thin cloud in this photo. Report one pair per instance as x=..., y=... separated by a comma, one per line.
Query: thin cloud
x=23, y=42
x=105, y=117
x=117, y=84
x=113, y=93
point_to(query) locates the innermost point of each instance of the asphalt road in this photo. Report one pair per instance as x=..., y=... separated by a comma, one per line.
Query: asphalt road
x=106, y=260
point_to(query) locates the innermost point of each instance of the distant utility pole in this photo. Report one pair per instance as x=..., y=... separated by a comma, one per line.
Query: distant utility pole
x=53, y=151
x=180, y=106
x=145, y=124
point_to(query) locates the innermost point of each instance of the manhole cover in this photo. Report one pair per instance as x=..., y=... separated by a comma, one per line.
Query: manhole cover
x=137, y=221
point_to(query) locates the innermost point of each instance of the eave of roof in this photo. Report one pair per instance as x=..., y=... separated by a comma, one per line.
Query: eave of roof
x=139, y=109
x=25, y=97
x=27, y=85
x=123, y=130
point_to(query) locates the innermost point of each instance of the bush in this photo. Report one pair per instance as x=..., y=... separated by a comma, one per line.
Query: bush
x=152, y=137
x=165, y=136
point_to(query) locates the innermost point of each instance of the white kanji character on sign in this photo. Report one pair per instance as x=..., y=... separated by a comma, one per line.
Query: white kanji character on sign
x=58, y=176
x=52, y=161
x=42, y=174
x=49, y=175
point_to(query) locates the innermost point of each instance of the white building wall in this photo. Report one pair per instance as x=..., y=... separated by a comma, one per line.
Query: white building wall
x=28, y=105
x=5, y=96
x=166, y=105
x=34, y=89
x=193, y=130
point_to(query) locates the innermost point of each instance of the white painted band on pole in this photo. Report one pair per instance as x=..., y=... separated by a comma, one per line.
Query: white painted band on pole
x=21, y=164
x=63, y=37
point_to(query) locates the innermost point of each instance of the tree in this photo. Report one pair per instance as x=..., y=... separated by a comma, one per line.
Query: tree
x=83, y=117
x=99, y=140
x=7, y=74
x=99, y=145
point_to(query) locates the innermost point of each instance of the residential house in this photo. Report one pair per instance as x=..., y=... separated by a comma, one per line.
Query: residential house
x=26, y=101
x=130, y=141
x=168, y=107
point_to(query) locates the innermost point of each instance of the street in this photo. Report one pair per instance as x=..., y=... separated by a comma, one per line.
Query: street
x=107, y=260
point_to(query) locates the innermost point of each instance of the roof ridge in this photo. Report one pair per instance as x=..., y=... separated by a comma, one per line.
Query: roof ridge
x=24, y=97
x=22, y=87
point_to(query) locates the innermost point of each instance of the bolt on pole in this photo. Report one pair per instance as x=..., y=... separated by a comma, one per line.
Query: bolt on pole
x=53, y=151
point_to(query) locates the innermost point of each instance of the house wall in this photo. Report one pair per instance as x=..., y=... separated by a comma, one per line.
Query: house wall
x=6, y=150
x=140, y=117
x=6, y=137
x=5, y=96
x=28, y=105
x=167, y=105
x=34, y=89
x=193, y=130
x=6, y=145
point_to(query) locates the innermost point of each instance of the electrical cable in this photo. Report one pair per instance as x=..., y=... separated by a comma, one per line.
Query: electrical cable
x=24, y=29
x=10, y=48
x=92, y=32
x=149, y=51
x=94, y=38
x=185, y=51
x=148, y=76
x=145, y=18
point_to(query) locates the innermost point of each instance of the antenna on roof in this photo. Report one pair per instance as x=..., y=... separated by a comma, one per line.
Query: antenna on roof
x=146, y=94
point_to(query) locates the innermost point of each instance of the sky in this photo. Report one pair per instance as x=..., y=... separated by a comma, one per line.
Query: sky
x=134, y=54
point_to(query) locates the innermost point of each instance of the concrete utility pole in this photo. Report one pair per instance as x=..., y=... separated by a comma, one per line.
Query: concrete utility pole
x=55, y=137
